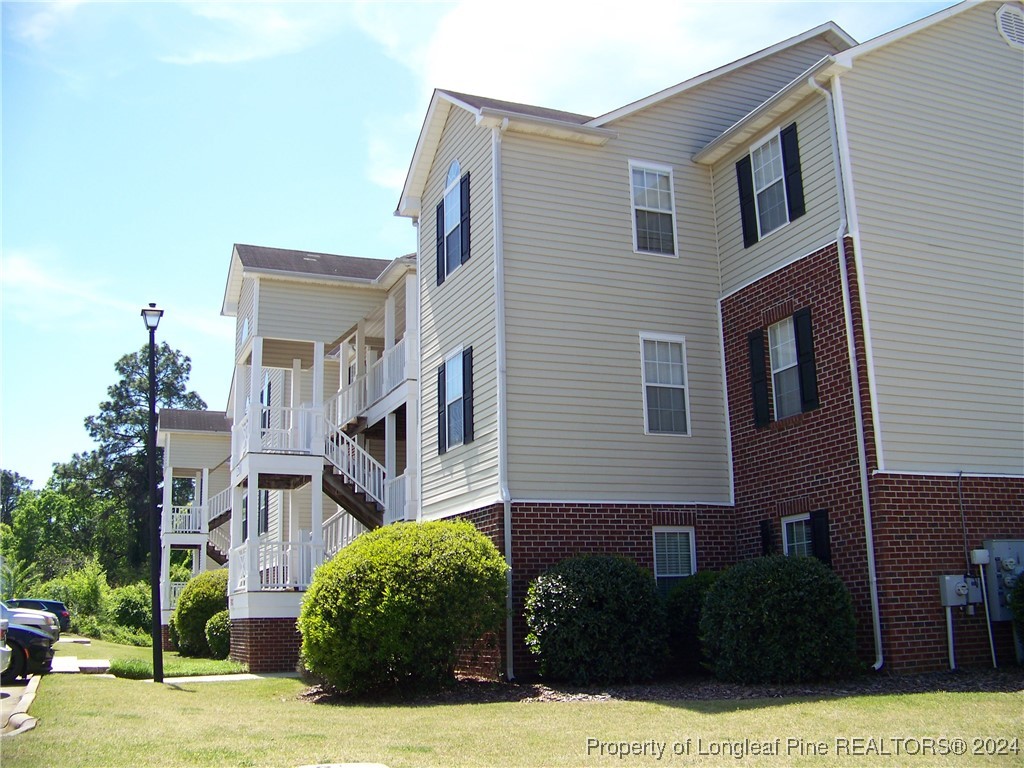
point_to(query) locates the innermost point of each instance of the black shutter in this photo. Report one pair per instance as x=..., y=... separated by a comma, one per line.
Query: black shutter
x=758, y=378
x=442, y=417
x=464, y=223
x=467, y=395
x=748, y=213
x=767, y=537
x=440, y=243
x=791, y=168
x=805, y=359
x=821, y=545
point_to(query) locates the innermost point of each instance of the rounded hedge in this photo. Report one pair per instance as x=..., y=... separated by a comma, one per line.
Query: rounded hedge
x=218, y=635
x=203, y=596
x=683, y=608
x=392, y=609
x=779, y=620
x=596, y=619
x=129, y=606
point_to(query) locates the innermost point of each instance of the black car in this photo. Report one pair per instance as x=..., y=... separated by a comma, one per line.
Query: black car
x=56, y=607
x=31, y=651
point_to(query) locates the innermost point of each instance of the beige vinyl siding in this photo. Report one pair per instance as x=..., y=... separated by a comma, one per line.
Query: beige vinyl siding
x=220, y=479
x=197, y=450
x=312, y=311
x=578, y=298
x=244, y=318
x=936, y=137
x=816, y=228
x=460, y=313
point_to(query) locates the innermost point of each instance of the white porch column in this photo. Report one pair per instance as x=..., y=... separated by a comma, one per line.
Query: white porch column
x=317, y=438
x=412, y=411
x=165, y=578
x=235, y=523
x=316, y=509
x=255, y=385
x=390, y=321
x=168, y=498
x=360, y=349
x=390, y=446
x=205, y=499
x=252, y=496
x=239, y=394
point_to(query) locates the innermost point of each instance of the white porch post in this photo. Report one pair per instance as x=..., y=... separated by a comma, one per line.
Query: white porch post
x=360, y=349
x=317, y=515
x=168, y=498
x=205, y=500
x=255, y=384
x=412, y=413
x=296, y=432
x=237, y=414
x=390, y=452
x=317, y=438
x=234, y=566
x=165, y=577
x=252, y=496
x=390, y=321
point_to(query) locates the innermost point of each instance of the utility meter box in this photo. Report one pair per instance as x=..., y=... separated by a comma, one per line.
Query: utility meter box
x=959, y=590
x=1005, y=566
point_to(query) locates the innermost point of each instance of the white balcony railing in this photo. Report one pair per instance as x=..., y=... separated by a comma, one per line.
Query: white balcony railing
x=190, y=519
x=281, y=430
x=383, y=377
x=174, y=593
x=365, y=472
x=287, y=564
x=218, y=505
x=395, y=496
x=238, y=568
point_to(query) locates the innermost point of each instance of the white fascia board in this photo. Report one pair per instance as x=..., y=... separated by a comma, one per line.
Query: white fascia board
x=423, y=155
x=545, y=126
x=847, y=57
x=839, y=38
x=305, y=277
x=233, y=286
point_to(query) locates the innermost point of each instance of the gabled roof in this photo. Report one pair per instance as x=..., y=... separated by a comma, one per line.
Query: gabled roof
x=308, y=265
x=765, y=114
x=481, y=103
x=178, y=420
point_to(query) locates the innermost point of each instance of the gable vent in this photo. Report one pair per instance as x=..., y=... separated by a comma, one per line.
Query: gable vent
x=1010, y=22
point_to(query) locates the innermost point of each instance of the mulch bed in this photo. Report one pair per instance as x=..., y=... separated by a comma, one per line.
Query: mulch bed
x=470, y=690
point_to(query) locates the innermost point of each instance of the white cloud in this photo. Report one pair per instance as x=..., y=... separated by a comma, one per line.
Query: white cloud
x=231, y=33
x=38, y=22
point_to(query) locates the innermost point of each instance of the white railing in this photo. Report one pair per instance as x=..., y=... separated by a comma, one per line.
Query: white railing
x=287, y=564
x=238, y=568
x=188, y=519
x=347, y=404
x=174, y=592
x=382, y=378
x=218, y=505
x=339, y=531
x=281, y=430
x=395, y=495
x=220, y=538
x=358, y=466
x=240, y=438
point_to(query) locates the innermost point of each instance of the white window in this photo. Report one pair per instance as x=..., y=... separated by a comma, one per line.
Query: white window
x=452, y=219
x=785, y=371
x=675, y=555
x=453, y=399
x=654, y=222
x=769, y=186
x=796, y=535
x=666, y=406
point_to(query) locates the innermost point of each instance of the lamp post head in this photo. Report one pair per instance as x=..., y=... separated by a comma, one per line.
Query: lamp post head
x=151, y=315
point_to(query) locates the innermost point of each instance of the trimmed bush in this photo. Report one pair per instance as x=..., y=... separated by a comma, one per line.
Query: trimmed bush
x=129, y=607
x=218, y=635
x=391, y=609
x=683, y=607
x=203, y=596
x=596, y=619
x=779, y=620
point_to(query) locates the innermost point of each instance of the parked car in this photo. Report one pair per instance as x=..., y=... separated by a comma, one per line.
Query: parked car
x=5, y=649
x=31, y=651
x=44, y=621
x=56, y=607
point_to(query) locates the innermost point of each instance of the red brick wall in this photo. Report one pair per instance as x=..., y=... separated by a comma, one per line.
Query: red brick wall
x=266, y=645
x=165, y=638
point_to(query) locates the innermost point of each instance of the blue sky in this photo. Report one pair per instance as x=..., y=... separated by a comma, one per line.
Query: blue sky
x=141, y=140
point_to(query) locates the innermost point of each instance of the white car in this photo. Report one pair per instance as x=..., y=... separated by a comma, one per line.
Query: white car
x=5, y=649
x=44, y=621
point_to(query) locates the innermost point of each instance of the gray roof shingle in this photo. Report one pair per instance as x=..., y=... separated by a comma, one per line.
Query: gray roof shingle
x=305, y=262
x=193, y=421
x=527, y=110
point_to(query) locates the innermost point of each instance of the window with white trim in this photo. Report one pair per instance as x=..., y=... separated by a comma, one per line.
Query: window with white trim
x=653, y=201
x=455, y=400
x=452, y=223
x=769, y=186
x=796, y=535
x=785, y=374
x=675, y=555
x=665, y=395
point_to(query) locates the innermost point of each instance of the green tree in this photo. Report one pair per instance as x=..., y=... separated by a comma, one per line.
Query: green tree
x=12, y=485
x=52, y=531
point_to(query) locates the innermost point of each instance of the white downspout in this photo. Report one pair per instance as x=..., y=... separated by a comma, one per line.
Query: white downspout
x=499, y=333
x=851, y=348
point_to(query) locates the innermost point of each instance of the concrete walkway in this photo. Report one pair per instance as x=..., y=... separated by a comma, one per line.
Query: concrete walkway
x=65, y=665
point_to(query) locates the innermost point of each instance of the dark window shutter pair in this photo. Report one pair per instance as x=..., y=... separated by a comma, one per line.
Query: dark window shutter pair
x=467, y=403
x=793, y=180
x=821, y=544
x=439, y=239
x=805, y=367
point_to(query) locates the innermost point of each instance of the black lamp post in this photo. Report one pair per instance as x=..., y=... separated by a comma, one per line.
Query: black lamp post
x=152, y=317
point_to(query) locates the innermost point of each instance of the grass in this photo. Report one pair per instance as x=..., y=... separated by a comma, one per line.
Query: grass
x=137, y=662
x=83, y=721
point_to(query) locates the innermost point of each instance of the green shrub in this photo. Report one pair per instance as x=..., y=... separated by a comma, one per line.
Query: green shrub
x=132, y=669
x=392, y=609
x=779, y=620
x=83, y=591
x=218, y=635
x=129, y=607
x=683, y=608
x=115, y=633
x=1016, y=600
x=596, y=619
x=203, y=596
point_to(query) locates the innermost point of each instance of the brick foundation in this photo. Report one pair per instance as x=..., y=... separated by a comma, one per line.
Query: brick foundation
x=266, y=645
x=165, y=638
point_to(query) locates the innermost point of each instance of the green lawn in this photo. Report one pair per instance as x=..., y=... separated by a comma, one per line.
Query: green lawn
x=175, y=665
x=90, y=721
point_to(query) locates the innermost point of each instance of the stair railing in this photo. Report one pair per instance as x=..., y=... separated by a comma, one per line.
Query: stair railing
x=355, y=464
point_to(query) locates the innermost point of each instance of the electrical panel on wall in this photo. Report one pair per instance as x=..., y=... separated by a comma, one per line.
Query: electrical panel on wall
x=1005, y=566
